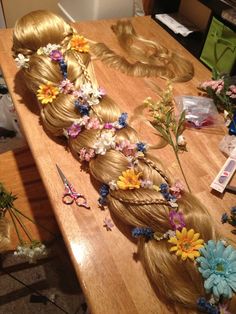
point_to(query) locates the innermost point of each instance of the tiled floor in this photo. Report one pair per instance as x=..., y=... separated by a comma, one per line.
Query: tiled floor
x=54, y=280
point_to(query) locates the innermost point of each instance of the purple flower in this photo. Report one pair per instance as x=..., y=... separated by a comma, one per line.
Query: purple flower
x=56, y=55
x=176, y=220
x=74, y=130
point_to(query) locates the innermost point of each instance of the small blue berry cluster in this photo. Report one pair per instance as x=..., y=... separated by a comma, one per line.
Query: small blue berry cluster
x=82, y=107
x=206, y=307
x=141, y=147
x=230, y=219
x=164, y=189
x=123, y=119
x=63, y=68
x=104, y=191
x=142, y=232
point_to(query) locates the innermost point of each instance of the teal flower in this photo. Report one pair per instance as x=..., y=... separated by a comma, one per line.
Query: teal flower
x=218, y=268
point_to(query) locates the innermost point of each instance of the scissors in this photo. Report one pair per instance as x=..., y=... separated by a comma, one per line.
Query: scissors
x=70, y=195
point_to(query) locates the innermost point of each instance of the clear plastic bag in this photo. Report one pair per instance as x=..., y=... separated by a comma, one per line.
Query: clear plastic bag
x=200, y=112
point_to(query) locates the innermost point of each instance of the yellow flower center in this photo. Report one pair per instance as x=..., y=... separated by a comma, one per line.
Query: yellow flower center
x=220, y=267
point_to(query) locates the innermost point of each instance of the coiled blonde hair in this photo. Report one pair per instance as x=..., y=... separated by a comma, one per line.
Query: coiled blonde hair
x=139, y=207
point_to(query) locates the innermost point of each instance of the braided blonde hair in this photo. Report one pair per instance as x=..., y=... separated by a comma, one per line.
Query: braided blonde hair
x=138, y=207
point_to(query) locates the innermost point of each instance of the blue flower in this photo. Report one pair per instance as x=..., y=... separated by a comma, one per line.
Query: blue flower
x=142, y=232
x=233, y=210
x=224, y=218
x=123, y=119
x=104, y=191
x=218, y=268
x=141, y=147
x=63, y=68
x=83, y=108
x=164, y=187
x=207, y=307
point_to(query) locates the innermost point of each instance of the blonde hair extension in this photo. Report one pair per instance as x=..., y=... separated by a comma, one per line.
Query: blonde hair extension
x=148, y=58
x=133, y=182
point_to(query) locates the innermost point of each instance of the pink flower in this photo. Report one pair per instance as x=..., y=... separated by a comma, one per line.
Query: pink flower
x=223, y=308
x=66, y=87
x=108, y=126
x=126, y=148
x=101, y=91
x=216, y=86
x=177, y=189
x=232, y=91
x=176, y=220
x=86, y=154
x=93, y=123
x=74, y=130
x=108, y=224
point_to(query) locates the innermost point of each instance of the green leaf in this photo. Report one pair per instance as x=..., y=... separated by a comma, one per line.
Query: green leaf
x=162, y=132
x=180, y=124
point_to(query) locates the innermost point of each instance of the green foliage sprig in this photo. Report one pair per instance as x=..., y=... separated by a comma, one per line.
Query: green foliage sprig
x=168, y=125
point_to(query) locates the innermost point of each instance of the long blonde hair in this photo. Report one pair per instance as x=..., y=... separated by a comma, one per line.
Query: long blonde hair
x=145, y=57
x=138, y=207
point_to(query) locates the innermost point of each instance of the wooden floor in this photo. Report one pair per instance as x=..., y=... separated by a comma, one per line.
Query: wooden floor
x=20, y=176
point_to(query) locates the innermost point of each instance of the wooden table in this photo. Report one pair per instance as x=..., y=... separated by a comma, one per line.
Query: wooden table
x=112, y=280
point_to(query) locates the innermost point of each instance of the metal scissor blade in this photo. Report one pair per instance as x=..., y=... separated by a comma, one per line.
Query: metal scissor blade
x=63, y=178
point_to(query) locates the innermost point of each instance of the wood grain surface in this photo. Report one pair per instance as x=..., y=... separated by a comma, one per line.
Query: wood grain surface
x=112, y=279
x=20, y=176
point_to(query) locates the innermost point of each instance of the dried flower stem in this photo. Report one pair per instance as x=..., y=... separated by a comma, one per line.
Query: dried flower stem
x=16, y=228
x=16, y=216
x=34, y=222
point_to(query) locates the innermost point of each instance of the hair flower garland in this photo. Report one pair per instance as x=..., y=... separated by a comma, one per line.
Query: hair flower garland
x=22, y=61
x=47, y=93
x=66, y=87
x=79, y=43
x=87, y=96
x=186, y=244
x=218, y=269
x=148, y=234
x=86, y=154
x=74, y=130
x=129, y=180
x=176, y=220
x=48, y=49
x=207, y=307
x=105, y=142
x=56, y=55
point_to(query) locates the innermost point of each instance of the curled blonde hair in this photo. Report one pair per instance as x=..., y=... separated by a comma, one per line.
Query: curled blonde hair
x=138, y=207
x=147, y=58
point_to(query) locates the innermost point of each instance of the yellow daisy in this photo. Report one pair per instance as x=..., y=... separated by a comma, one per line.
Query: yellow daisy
x=129, y=180
x=186, y=244
x=79, y=43
x=47, y=93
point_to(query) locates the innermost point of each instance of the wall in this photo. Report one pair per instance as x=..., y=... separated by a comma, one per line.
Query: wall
x=195, y=12
x=14, y=9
